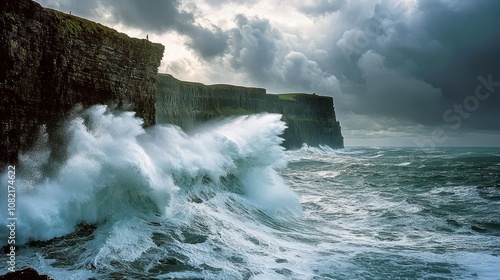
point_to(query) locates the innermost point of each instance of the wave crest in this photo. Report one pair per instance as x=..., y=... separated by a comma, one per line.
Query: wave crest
x=111, y=168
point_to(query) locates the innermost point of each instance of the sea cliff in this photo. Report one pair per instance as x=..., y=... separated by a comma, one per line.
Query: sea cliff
x=50, y=61
x=310, y=118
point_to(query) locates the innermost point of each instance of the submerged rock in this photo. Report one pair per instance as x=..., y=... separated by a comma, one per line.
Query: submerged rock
x=27, y=273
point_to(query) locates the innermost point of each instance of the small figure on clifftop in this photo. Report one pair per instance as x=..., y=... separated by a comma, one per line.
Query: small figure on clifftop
x=69, y=12
x=147, y=38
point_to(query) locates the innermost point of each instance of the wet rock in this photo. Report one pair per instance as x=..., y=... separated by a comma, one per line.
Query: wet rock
x=51, y=61
x=25, y=274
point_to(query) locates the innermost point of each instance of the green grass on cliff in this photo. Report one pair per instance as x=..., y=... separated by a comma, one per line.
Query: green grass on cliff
x=230, y=111
x=75, y=25
x=227, y=86
x=219, y=112
x=287, y=96
x=215, y=87
x=294, y=96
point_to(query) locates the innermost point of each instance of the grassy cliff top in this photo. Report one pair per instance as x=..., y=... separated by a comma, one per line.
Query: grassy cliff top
x=287, y=96
x=213, y=86
x=76, y=26
x=282, y=96
x=217, y=86
x=19, y=12
x=295, y=96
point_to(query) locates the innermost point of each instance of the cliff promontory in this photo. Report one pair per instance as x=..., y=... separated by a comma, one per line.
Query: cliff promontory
x=50, y=61
x=310, y=118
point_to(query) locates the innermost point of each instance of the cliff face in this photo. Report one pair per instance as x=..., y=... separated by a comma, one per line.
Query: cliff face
x=186, y=104
x=51, y=61
x=310, y=118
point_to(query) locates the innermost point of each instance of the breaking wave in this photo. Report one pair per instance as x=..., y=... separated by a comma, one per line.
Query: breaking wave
x=104, y=169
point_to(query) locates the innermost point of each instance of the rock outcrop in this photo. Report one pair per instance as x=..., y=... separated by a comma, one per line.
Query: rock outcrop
x=50, y=61
x=310, y=118
x=25, y=274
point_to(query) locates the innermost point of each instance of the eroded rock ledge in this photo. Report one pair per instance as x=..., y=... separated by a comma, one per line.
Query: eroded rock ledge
x=50, y=61
x=25, y=274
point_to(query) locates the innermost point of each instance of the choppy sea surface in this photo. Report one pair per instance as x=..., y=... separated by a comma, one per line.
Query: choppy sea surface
x=227, y=202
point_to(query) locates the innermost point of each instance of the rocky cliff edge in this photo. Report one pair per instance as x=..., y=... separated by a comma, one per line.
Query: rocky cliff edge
x=51, y=61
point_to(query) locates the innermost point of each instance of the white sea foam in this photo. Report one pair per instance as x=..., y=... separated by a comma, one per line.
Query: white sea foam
x=113, y=170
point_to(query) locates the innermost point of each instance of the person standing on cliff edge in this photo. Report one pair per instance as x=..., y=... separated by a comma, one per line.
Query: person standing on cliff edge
x=147, y=37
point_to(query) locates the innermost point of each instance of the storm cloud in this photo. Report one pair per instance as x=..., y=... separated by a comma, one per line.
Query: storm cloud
x=153, y=16
x=254, y=48
x=414, y=63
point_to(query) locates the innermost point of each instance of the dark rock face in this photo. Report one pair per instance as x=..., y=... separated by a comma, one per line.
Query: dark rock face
x=310, y=118
x=51, y=61
x=186, y=104
x=25, y=274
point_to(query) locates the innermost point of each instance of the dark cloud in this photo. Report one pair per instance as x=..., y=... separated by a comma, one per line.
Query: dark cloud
x=428, y=59
x=260, y=50
x=469, y=44
x=394, y=93
x=254, y=47
x=207, y=43
x=155, y=16
x=467, y=33
x=160, y=16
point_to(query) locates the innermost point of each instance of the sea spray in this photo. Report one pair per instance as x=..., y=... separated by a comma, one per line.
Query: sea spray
x=115, y=171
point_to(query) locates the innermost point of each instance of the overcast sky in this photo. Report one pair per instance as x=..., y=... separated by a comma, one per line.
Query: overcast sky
x=401, y=72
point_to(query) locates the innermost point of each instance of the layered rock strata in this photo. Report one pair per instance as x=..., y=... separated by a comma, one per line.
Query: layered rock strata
x=50, y=61
x=310, y=118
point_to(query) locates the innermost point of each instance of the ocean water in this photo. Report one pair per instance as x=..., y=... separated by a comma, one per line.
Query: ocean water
x=115, y=201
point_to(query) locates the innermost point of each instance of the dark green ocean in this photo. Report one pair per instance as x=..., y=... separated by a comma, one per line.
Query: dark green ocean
x=401, y=213
x=227, y=202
